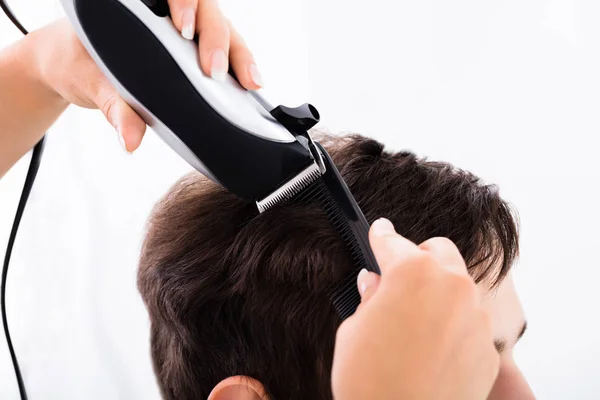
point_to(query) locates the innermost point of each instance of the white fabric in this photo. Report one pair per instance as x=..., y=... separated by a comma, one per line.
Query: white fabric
x=506, y=89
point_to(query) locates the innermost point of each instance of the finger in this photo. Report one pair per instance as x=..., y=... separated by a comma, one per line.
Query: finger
x=214, y=39
x=367, y=283
x=445, y=252
x=243, y=63
x=130, y=127
x=183, y=14
x=389, y=248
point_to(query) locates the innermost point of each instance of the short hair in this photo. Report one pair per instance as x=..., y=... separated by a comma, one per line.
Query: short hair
x=232, y=292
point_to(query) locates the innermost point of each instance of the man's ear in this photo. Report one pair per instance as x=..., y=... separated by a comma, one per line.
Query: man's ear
x=238, y=388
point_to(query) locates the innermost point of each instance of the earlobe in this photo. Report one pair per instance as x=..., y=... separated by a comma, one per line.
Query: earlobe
x=238, y=388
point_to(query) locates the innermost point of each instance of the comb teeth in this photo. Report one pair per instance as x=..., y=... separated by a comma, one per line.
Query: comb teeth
x=344, y=295
x=290, y=188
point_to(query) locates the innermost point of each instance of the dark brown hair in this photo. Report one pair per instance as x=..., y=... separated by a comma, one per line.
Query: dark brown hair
x=231, y=292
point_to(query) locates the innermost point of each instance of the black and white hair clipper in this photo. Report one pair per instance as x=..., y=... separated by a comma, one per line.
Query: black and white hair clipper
x=233, y=136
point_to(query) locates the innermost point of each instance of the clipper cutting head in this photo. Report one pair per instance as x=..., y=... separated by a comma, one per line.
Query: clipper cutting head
x=291, y=187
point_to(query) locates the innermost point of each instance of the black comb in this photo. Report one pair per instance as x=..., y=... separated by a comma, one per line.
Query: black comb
x=331, y=193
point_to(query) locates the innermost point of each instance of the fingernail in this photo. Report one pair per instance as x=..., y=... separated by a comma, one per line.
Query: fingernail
x=255, y=75
x=363, y=281
x=188, y=23
x=218, y=65
x=122, y=140
x=383, y=227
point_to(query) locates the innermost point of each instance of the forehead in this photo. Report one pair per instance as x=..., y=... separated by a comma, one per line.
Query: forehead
x=503, y=306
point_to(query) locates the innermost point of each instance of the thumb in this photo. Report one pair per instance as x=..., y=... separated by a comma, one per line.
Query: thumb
x=367, y=283
x=390, y=249
x=129, y=125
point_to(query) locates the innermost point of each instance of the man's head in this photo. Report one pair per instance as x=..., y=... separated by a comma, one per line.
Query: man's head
x=232, y=293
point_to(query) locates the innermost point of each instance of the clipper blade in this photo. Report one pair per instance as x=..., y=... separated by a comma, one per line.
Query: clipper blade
x=290, y=188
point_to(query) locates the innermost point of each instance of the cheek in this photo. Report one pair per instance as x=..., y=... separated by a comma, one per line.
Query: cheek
x=510, y=384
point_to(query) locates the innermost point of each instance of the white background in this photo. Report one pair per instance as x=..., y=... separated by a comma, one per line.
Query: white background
x=509, y=90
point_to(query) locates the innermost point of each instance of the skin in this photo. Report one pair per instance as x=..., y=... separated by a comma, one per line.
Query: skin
x=43, y=73
x=448, y=350
x=508, y=326
x=484, y=329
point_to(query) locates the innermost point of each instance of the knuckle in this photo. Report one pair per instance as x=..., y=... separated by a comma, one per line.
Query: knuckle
x=88, y=82
x=463, y=282
x=438, y=241
x=107, y=104
x=462, y=286
x=414, y=264
x=443, y=242
x=213, y=19
x=217, y=35
x=420, y=258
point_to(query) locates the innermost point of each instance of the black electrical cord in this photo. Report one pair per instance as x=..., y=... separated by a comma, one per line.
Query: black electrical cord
x=34, y=165
x=12, y=18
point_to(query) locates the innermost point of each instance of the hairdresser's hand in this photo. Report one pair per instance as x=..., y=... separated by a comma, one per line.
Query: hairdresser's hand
x=67, y=69
x=420, y=332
